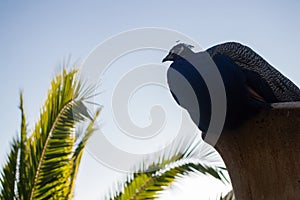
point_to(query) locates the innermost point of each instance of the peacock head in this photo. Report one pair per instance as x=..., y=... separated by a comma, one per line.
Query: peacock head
x=181, y=50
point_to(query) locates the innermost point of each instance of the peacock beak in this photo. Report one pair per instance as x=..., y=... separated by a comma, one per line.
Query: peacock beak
x=169, y=57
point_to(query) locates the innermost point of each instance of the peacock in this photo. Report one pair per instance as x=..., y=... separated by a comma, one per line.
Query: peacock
x=251, y=83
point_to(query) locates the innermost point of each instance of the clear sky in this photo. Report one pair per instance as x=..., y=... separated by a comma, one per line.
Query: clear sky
x=36, y=37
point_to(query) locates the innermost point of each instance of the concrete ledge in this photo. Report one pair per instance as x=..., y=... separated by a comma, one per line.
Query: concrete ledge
x=263, y=156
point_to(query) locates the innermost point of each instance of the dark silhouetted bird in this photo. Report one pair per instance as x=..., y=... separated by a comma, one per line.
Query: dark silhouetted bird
x=250, y=82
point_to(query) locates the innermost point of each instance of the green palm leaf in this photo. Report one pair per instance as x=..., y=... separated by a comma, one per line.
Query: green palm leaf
x=228, y=196
x=52, y=141
x=8, y=175
x=148, y=185
x=150, y=182
x=23, y=151
x=76, y=158
x=45, y=164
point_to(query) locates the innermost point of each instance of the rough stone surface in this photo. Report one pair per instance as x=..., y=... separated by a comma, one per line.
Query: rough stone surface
x=263, y=156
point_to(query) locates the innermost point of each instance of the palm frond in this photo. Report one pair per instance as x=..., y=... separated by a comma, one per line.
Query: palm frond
x=44, y=165
x=23, y=155
x=228, y=196
x=12, y=169
x=150, y=182
x=50, y=146
x=76, y=158
x=148, y=185
x=9, y=173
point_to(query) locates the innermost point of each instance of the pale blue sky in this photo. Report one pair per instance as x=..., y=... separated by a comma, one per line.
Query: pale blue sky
x=36, y=37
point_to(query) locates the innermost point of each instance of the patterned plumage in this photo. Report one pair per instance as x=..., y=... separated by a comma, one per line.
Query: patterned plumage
x=250, y=82
x=283, y=89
